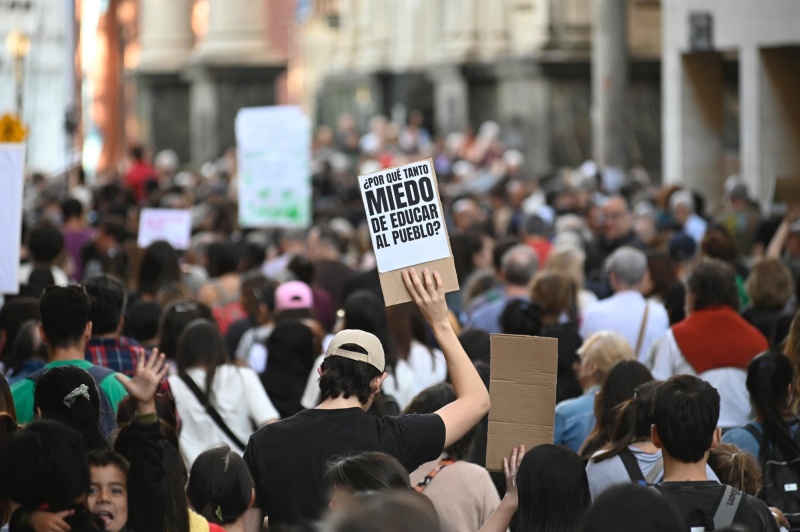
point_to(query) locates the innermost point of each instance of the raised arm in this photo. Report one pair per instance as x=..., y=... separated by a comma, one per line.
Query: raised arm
x=775, y=247
x=472, y=398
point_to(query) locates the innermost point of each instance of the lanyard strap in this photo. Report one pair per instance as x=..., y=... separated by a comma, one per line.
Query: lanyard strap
x=430, y=476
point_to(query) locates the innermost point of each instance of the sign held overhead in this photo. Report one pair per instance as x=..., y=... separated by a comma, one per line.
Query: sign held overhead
x=407, y=227
x=523, y=394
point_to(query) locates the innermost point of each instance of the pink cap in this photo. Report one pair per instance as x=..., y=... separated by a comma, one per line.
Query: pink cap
x=293, y=295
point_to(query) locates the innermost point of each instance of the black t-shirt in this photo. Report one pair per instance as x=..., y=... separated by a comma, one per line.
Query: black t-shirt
x=287, y=459
x=698, y=501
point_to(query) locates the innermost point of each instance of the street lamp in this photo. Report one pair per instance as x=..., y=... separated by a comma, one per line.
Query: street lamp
x=18, y=45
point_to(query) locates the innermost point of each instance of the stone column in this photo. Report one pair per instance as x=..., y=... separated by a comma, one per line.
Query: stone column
x=492, y=28
x=609, y=83
x=237, y=34
x=460, y=29
x=450, y=99
x=165, y=34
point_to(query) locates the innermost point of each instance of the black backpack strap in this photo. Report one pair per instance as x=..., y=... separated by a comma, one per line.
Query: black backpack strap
x=726, y=508
x=632, y=466
x=211, y=411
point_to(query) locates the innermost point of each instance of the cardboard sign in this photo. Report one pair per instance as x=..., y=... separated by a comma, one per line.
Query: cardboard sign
x=172, y=225
x=787, y=190
x=523, y=393
x=273, y=147
x=12, y=178
x=407, y=227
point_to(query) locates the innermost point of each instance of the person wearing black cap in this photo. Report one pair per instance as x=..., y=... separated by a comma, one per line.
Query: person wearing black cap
x=287, y=459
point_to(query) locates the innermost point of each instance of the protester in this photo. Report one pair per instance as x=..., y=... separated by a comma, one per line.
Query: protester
x=46, y=245
x=159, y=269
x=76, y=233
x=462, y=492
x=411, y=338
x=367, y=472
x=291, y=349
x=627, y=312
x=769, y=287
x=258, y=300
x=350, y=380
x=220, y=488
x=574, y=418
x=686, y=410
x=397, y=511
x=736, y=467
x=28, y=354
x=174, y=319
x=628, y=508
x=217, y=401
x=714, y=341
x=65, y=331
x=569, y=260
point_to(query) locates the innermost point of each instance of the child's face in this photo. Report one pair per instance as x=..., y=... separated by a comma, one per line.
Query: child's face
x=108, y=496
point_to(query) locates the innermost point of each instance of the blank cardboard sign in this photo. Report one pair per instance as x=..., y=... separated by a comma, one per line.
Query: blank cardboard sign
x=787, y=190
x=426, y=250
x=523, y=392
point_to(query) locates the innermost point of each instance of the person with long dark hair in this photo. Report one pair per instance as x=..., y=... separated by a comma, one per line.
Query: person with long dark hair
x=366, y=472
x=220, y=487
x=217, y=401
x=158, y=269
x=550, y=487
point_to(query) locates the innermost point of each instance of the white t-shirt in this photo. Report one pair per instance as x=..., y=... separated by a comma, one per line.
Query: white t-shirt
x=428, y=365
x=238, y=396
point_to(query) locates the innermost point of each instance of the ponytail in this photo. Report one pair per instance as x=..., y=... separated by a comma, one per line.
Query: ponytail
x=635, y=417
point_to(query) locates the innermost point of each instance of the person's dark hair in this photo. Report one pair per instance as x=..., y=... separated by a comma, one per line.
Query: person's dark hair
x=347, y=378
x=115, y=228
x=45, y=242
x=685, y=413
x=71, y=208
x=718, y=243
x=158, y=267
x=465, y=246
x=553, y=490
x=291, y=348
x=64, y=312
x=631, y=508
x=108, y=297
x=27, y=344
x=45, y=464
x=12, y=316
x=167, y=417
x=634, y=421
x=368, y=471
x=40, y=278
x=201, y=344
x=257, y=290
x=136, y=152
x=174, y=319
x=620, y=383
x=141, y=321
x=395, y=511
x=253, y=255
x=176, y=511
x=432, y=399
x=769, y=376
x=663, y=275
x=713, y=284
x=302, y=268
x=364, y=311
x=223, y=257
x=107, y=457
x=82, y=414
x=8, y=426
x=476, y=343
x=521, y=316
x=220, y=486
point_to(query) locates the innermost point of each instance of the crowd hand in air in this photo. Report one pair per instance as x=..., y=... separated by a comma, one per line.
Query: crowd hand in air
x=42, y=521
x=501, y=518
x=144, y=384
x=428, y=294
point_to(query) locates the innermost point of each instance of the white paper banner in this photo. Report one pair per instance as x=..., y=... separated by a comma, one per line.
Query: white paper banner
x=12, y=179
x=274, y=150
x=172, y=225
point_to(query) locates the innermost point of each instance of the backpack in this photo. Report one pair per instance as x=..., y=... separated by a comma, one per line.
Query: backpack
x=635, y=471
x=781, y=479
x=108, y=420
x=724, y=512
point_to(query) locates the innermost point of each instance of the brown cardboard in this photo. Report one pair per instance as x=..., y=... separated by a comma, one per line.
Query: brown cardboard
x=787, y=190
x=523, y=393
x=394, y=290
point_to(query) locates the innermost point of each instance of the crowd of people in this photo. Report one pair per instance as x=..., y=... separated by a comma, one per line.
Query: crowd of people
x=257, y=378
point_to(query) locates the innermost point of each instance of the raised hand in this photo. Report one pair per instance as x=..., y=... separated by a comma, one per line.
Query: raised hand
x=144, y=384
x=428, y=294
x=510, y=468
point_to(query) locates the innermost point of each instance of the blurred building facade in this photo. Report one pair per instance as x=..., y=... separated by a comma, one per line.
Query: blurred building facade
x=708, y=48
x=523, y=63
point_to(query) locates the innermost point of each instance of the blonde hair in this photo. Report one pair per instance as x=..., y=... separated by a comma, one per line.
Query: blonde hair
x=770, y=284
x=567, y=260
x=555, y=292
x=736, y=468
x=604, y=349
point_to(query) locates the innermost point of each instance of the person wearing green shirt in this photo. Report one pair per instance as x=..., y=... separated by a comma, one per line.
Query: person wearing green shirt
x=65, y=330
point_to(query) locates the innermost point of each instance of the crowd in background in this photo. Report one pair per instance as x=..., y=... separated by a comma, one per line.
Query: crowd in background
x=672, y=311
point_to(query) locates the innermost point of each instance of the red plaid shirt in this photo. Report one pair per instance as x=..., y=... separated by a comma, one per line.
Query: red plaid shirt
x=120, y=354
